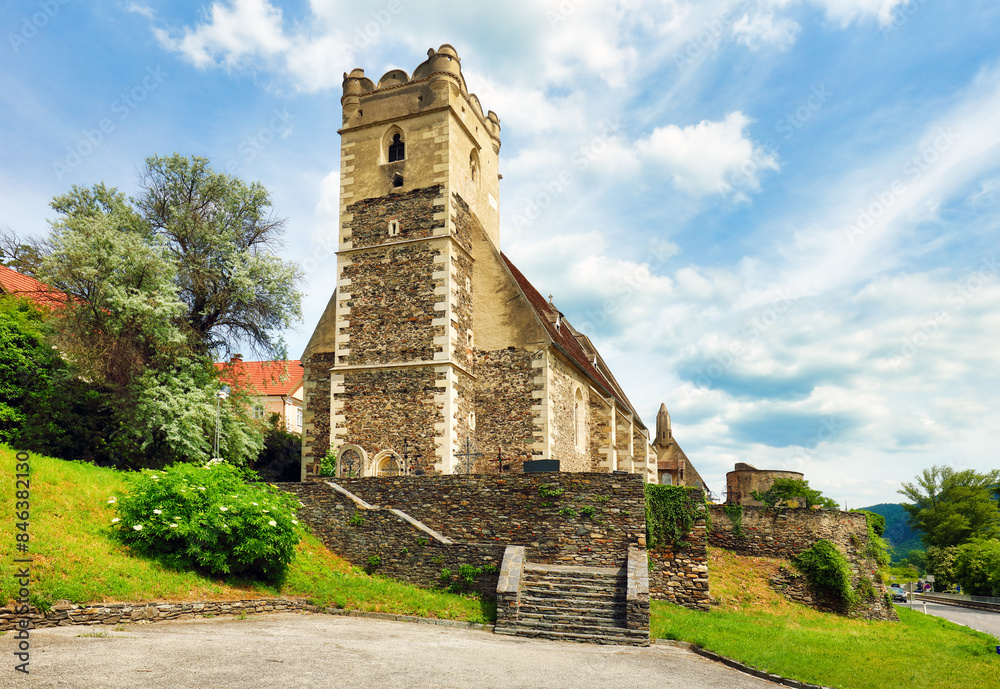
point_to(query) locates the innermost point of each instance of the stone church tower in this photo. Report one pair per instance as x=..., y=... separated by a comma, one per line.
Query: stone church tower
x=433, y=342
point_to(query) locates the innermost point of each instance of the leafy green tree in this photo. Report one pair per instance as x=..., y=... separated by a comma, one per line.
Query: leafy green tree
x=784, y=489
x=941, y=563
x=26, y=362
x=222, y=237
x=977, y=567
x=951, y=506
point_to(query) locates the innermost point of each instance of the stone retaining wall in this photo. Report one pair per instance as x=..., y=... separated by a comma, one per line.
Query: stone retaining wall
x=680, y=575
x=785, y=532
x=511, y=510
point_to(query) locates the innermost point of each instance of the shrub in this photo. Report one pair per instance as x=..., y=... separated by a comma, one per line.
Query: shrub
x=827, y=570
x=671, y=512
x=281, y=457
x=208, y=518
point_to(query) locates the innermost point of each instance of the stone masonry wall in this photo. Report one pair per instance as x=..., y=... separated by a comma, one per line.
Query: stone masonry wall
x=563, y=385
x=392, y=305
x=600, y=433
x=784, y=532
x=384, y=543
x=680, y=574
x=509, y=510
x=414, y=210
x=504, y=419
x=316, y=420
x=384, y=406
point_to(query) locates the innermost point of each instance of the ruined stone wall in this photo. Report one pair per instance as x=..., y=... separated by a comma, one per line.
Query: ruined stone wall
x=316, y=417
x=504, y=418
x=511, y=510
x=623, y=437
x=381, y=407
x=392, y=302
x=563, y=384
x=784, y=532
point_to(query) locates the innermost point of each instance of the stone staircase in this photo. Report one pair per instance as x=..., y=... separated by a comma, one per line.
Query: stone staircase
x=586, y=604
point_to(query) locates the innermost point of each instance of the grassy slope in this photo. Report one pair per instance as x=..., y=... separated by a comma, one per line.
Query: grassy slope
x=75, y=559
x=759, y=627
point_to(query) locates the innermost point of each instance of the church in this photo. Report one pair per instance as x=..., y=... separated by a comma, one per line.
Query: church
x=435, y=354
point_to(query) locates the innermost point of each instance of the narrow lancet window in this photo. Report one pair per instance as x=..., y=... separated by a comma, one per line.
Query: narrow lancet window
x=397, y=150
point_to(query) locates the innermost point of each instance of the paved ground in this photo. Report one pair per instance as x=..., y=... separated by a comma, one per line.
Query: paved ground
x=290, y=650
x=983, y=620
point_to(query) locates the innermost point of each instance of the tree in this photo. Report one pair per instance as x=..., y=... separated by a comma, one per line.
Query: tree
x=221, y=237
x=784, y=489
x=951, y=506
x=157, y=286
x=977, y=567
x=26, y=361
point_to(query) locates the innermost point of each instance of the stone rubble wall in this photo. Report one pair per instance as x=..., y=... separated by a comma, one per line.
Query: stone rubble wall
x=316, y=419
x=504, y=417
x=680, y=574
x=509, y=510
x=382, y=542
x=785, y=533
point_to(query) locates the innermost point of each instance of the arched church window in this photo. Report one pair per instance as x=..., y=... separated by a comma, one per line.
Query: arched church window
x=474, y=167
x=397, y=149
x=389, y=465
x=578, y=420
x=350, y=463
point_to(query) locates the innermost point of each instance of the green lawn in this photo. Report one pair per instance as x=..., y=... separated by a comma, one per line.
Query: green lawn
x=760, y=628
x=74, y=557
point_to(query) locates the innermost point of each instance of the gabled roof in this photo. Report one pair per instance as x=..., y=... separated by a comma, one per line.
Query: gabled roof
x=13, y=282
x=265, y=377
x=570, y=341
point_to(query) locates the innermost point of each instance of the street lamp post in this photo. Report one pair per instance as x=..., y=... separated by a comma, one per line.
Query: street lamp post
x=222, y=394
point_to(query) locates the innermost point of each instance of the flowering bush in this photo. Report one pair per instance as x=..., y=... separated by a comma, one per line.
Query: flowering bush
x=207, y=517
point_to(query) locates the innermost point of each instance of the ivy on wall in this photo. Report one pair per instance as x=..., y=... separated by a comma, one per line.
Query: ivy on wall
x=735, y=514
x=828, y=570
x=671, y=512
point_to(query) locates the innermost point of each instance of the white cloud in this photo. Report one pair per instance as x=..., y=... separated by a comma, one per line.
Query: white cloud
x=142, y=10
x=846, y=11
x=763, y=30
x=709, y=157
x=232, y=34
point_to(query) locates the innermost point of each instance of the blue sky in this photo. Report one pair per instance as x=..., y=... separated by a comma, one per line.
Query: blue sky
x=780, y=217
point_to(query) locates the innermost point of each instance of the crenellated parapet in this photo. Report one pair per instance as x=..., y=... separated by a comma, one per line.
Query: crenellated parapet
x=436, y=82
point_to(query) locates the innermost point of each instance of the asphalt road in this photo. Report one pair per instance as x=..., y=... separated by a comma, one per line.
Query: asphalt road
x=983, y=620
x=295, y=651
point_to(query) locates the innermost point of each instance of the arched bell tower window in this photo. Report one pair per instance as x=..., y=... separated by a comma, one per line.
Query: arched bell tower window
x=397, y=149
x=474, y=167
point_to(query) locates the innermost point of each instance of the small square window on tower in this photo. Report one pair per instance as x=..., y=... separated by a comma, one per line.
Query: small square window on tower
x=394, y=228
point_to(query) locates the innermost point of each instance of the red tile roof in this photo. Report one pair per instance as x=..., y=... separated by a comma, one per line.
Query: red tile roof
x=565, y=339
x=13, y=282
x=266, y=377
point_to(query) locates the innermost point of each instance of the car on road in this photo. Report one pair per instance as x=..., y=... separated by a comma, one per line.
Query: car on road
x=897, y=593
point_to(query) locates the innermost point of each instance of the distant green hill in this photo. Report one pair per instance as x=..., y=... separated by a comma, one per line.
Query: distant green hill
x=901, y=537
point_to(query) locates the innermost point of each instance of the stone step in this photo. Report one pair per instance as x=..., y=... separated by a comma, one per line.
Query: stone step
x=570, y=606
x=543, y=592
x=577, y=626
x=548, y=608
x=566, y=621
x=625, y=637
x=609, y=587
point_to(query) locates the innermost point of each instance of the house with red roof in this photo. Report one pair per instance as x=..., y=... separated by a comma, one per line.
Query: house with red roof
x=15, y=283
x=435, y=354
x=275, y=385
